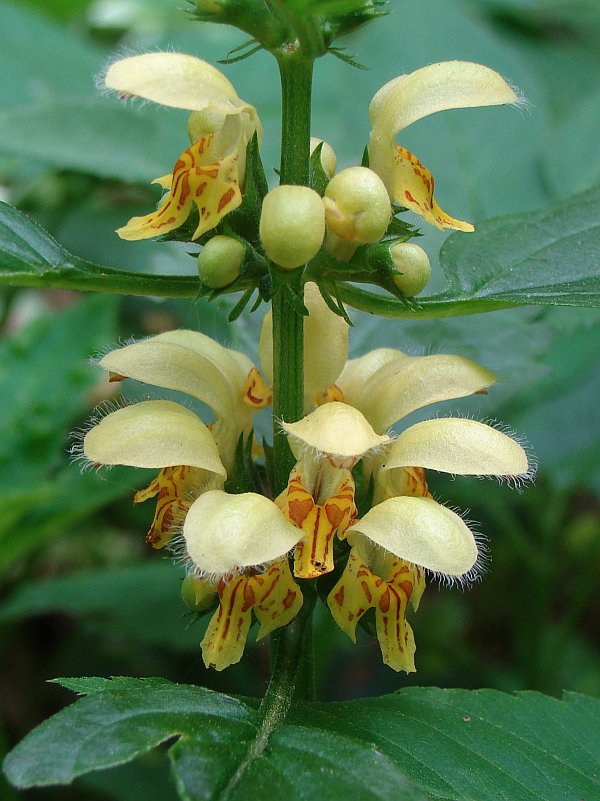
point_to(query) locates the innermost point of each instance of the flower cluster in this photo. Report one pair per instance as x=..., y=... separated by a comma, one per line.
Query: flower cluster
x=342, y=212
x=247, y=551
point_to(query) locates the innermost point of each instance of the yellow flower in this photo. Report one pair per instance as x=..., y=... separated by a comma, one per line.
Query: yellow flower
x=240, y=543
x=408, y=98
x=233, y=545
x=406, y=531
x=210, y=173
x=319, y=498
x=192, y=363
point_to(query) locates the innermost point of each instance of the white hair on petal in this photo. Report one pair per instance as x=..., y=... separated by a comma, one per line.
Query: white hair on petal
x=120, y=54
x=75, y=450
x=515, y=482
x=94, y=360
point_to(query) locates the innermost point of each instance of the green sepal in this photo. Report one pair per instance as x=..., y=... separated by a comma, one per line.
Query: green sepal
x=339, y=52
x=292, y=286
x=378, y=260
x=325, y=265
x=240, y=305
x=353, y=16
x=317, y=177
x=245, y=220
x=401, y=230
x=244, y=476
x=197, y=609
x=269, y=467
x=254, y=17
x=363, y=490
x=251, y=43
x=326, y=288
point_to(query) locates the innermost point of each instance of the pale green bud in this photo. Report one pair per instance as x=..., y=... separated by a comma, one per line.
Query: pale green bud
x=198, y=594
x=357, y=205
x=328, y=157
x=292, y=225
x=220, y=261
x=413, y=263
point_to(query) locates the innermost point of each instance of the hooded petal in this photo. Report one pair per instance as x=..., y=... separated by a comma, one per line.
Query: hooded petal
x=437, y=87
x=176, y=80
x=172, y=366
x=464, y=447
x=403, y=384
x=420, y=531
x=325, y=345
x=225, y=533
x=337, y=431
x=153, y=434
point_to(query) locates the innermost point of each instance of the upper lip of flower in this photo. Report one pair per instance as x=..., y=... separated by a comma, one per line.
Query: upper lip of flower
x=190, y=362
x=408, y=98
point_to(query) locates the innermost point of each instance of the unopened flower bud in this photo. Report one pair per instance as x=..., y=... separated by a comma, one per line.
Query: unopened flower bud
x=198, y=594
x=220, y=261
x=292, y=225
x=328, y=157
x=207, y=7
x=357, y=206
x=413, y=263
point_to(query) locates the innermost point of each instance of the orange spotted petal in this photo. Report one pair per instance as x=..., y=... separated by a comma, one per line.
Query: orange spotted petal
x=278, y=598
x=413, y=187
x=174, y=488
x=225, y=637
x=313, y=555
x=359, y=589
x=275, y=598
x=213, y=188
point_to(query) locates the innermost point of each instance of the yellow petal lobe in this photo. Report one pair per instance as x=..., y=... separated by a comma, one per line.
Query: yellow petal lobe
x=213, y=188
x=313, y=555
x=359, y=589
x=175, y=488
x=413, y=187
x=278, y=598
x=257, y=393
x=275, y=598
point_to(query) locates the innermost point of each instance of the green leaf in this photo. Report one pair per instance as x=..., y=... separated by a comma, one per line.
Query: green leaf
x=542, y=258
x=114, y=601
x=572, y=160
x=92, y=136
x=545, y=257
x=29, y=256
x=420, y=743
x=46, y=386
x=39, y=59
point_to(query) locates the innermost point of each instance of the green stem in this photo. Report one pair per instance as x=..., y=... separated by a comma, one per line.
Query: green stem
x=296, y=72
x=288, y=382
x=292, y=666
x=291, y=645
x=288, y=324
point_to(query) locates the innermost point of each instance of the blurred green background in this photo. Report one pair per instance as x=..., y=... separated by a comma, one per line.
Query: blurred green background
x=80, y=594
